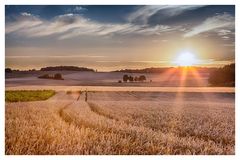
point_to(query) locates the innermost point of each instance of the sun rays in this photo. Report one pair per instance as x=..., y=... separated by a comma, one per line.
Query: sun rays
x=182, y=76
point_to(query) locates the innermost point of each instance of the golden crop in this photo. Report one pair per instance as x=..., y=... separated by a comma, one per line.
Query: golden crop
x=121, y=123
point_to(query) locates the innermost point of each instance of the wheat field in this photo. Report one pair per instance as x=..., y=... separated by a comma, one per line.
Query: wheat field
x=122, y=122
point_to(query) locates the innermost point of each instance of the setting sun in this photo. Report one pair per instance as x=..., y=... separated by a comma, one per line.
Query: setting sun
x=185, y=59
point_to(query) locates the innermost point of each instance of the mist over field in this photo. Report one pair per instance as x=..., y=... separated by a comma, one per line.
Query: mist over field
x=73, y=78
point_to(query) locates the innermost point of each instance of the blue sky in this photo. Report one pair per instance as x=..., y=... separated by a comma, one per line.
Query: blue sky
x=114, y=37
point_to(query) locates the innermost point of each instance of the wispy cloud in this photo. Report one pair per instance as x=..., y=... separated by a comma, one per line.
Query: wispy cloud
x=24, y=20
x=224, y=20
x=76, y=9
x=80, y=9
x=73, y=25
x=142, y=14
x=225, y=37
x=224, y=32
x=26, y=14
x=58, y=56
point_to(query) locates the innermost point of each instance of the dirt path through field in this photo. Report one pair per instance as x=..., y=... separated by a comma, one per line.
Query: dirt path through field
x=73, y=97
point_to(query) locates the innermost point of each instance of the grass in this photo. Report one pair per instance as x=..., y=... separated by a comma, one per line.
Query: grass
x=24, y=95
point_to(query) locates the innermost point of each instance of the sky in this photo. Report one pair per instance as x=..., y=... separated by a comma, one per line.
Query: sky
x=117, y=37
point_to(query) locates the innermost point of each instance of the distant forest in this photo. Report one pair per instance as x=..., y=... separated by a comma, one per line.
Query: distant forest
x=53, y=68
x=224, y=76
x=66, y=68
x=161, y=70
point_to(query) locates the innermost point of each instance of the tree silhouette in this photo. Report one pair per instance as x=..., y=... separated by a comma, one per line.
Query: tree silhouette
x=125, y=78
x=224, y=76
x=44, y=76
x=136, y=79
x=66, y=68
x=142, y=78
x=8, y=70
x=58, y=76
x=130, y=78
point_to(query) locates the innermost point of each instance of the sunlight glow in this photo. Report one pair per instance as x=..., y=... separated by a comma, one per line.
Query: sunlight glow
x=186, y=59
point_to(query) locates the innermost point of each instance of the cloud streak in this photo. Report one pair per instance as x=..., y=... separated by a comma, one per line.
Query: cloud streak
x=24, y=21
x=224, y=20
x=142, y=14
x=58, y=56
x=72, y=25
x=68, y=26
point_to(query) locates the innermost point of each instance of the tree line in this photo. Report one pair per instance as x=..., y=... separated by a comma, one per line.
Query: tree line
x=66, y=68
x=56, y=76
x=224, y=76
x=162, y=69
x=130, y=78
x=53, y=68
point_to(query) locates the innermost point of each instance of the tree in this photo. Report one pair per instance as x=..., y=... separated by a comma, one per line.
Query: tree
x=44, y=76
x=224, y=76
x=136, y=79
x=8, y=70
x=142, y=78
x=125, y=78
x=58, y=76
x=130, y=78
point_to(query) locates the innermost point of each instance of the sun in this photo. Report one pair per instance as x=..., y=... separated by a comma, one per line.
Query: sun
x=185, y=59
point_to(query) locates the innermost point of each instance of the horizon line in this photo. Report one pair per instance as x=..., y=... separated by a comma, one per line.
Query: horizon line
x=96, y=70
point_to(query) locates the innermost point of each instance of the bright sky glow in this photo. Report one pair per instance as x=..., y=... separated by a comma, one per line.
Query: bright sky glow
x=186, y=59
